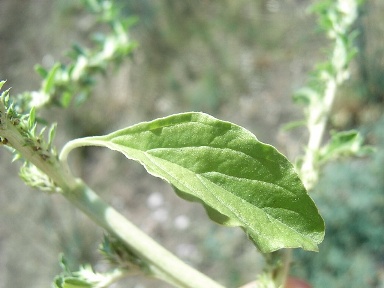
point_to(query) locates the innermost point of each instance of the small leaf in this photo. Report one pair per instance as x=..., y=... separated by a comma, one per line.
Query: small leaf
x=345, y=143
x=239, y=180
x=2, y=82
x=306, y=96
x=41, y=71
x=75, y=283
x=32, y=118
x=65, y=99
x=294, y=124
x=51, y=135
x=49, y=81
x=67, y=279
x=78, y=50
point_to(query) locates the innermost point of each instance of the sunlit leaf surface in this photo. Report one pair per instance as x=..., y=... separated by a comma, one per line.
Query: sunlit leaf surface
x=239, y=180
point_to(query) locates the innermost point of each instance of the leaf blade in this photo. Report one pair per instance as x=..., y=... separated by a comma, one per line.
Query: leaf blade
x=239, y=180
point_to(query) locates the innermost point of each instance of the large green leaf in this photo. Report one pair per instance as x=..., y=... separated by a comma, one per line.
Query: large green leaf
x=239, y=180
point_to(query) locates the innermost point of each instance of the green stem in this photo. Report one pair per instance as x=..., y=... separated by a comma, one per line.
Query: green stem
x=162, y=263
x=317, y=121
x=51, y=167
x=283, y=271
x=318, y=115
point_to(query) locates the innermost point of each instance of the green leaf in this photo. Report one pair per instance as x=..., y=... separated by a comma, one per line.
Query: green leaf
x=41, y=71
x=306, y=96
x=293, y=124
x=2, y=82
x=67, y=279
x=65, y=99
x=75, y=283
x=49, y=81
x=239, y=180
x=32, y=118
x=345, y=143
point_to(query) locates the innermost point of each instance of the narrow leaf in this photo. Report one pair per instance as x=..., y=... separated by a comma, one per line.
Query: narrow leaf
x=2, y=82
x=32, y=118
x=239, y=180
x=49, y=81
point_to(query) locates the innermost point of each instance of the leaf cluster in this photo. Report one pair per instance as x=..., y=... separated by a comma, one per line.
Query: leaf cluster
x=61, y=86
x=64, y=84
x=121, y=256
x=124, y=261
x=85, y=277
x=336, y=18
x=350, y=196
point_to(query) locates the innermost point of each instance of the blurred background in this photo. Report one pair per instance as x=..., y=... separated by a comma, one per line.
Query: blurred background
x=240, y=61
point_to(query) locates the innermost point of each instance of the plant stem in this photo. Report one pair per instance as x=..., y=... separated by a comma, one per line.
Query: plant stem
x=162, y=263
x=318, y=113
x=52, y=168
x=342, y=17
x=283, y=272
x=317, y=122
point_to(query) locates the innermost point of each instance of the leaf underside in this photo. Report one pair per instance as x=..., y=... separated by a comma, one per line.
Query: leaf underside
x=239, y=180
